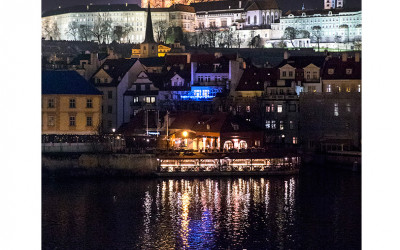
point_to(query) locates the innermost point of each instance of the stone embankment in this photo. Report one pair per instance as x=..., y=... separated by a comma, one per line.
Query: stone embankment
x=73, y=165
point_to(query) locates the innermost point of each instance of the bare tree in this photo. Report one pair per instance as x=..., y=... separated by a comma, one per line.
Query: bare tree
x=55, y=31
x=97, y=28
x=127, y=30
x=84, y=32
x=73, y=29
x=117, y=34
x=255, y=42
x=317, y=34
x=106, y=29
x=160, y=27
x=211, y=36
x=46, y=29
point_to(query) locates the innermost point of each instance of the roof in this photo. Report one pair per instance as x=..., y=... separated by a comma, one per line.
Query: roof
x=320, y=11
x=303, y=61
x=185, y=120
x=152, y=61
x=93, y=8
x=253, y=78
x=261, y=5
x=66, y=82
x=213, y=122
x=175, y=7
x=78, y=58
x=217, y=5
x=115, y=68
x=244, y=126
x=138, y=125
x=340, y=67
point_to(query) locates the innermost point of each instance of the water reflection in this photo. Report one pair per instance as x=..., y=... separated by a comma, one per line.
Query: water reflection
x=220, y=213
x=201, y=212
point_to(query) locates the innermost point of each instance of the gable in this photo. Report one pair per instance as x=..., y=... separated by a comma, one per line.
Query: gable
x=287, y=67
x=311, y=66
x=102, y=74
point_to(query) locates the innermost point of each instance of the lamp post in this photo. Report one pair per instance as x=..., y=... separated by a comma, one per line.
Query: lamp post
x=113, y=138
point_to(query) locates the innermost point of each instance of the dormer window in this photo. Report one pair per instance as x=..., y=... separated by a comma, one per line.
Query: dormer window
x=235, y=127
x=349, y=71
x=106, y=67
x=208, y=127
x=331, y=71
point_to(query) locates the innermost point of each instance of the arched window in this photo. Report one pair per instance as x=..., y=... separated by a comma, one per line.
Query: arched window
x=228, y=145
x=248, y=20
x=263, y=20
x=255, y=19
x=242, y=145
x=268, y=20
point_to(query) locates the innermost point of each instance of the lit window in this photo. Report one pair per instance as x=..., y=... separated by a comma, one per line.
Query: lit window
x=348, y=89
x=89, y=121
x=272, y=108
x=294, y=140
x=267, y=108
x=50, y=103
x=328, y=88
x=273, y=124
x=359, y=88
x=72, y=121
x=247, y=108
x=89, y=103
x=71, y=103
x=148, y=99
x=281, y=126
x=136, y=99
x=348, y=107
x=267, y=124
x=336, y=109
x=153, y=99
x=279, y=109
x=51, y=121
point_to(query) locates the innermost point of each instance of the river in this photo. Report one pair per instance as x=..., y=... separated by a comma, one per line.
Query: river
x=317, y=209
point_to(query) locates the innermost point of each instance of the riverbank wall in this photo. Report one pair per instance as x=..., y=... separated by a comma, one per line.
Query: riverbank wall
x=80, y=165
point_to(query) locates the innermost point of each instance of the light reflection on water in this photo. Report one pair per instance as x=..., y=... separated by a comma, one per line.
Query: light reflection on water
x=251, y=213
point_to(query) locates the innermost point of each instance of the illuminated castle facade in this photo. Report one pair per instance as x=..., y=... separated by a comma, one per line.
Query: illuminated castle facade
x=169, y=3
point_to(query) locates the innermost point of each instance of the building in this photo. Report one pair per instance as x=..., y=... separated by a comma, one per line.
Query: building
x=125, y=22
x=113, y=78
x=333, y=4
x=330, y=121
x=70, y=105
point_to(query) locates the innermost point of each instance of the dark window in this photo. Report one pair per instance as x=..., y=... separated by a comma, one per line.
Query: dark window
x=89, y=121
x=89, y=103
x=72, y=103
x=292, y=107
x=72, y=121
x=109, y=109
x=110, y=94
x=51, y=103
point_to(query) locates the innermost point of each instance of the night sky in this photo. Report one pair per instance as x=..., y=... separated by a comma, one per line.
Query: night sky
x=284, y=4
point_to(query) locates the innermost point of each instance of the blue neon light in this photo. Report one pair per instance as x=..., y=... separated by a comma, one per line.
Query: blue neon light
x=202, y=93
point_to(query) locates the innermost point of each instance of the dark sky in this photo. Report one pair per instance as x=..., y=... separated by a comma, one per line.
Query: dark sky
x=284, y=4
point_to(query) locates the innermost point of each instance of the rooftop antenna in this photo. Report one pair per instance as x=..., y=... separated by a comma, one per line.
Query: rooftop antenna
x=302, y=8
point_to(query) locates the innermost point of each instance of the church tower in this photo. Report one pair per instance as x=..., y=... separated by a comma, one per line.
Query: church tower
x=148, y=48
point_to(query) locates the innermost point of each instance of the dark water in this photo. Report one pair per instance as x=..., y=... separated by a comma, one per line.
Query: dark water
x=315, y=210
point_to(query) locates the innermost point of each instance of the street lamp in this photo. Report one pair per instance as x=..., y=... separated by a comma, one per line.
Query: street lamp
x=113, y=130
x=185, y=133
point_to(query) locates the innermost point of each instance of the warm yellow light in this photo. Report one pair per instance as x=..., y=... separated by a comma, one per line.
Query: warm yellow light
x=185, y=133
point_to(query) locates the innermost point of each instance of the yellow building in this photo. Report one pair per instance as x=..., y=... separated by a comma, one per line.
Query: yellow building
x=70, y=105
x=162, y=50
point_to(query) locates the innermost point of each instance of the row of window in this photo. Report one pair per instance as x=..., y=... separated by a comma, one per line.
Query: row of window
x=271, y=124
x=336, y=108
x=72, y=103
x=339, y=89
x=51, y=121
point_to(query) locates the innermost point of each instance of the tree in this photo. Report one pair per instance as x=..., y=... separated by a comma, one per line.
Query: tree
x=106, y=29
x=55, y=31
x=290, y=34
x=317, y=34
x=84, y=32
x=117, y=34
x=97, y=28
x=173, y=33
x=160, y=27
x=73, y=29
x=255, y=42
x=127, y=30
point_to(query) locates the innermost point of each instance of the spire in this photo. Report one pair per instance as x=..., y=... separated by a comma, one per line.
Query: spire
x=149, y=37
x=302, y=8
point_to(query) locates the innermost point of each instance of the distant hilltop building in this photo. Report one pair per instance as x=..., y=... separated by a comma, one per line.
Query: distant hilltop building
x=169, y=3
x=333, y=4
x=229, y=24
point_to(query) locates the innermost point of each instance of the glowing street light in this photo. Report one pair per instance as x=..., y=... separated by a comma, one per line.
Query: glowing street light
x=185, y=133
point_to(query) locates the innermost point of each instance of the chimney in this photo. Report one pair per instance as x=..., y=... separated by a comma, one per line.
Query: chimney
x=344, y=57
x=357, y=57
x=286, y=55
x=240, y=4
x=93, y=58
